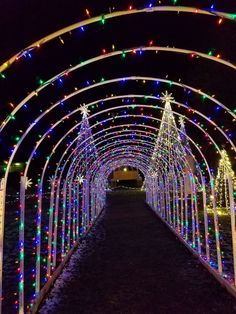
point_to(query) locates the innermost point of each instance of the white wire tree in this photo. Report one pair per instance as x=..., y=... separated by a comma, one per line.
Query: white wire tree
x=222, y=187
x=89, y=154
x=168, y=145
x=172, y=175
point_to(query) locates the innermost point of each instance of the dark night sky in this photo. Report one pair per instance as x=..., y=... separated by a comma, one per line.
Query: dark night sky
x=27, y=20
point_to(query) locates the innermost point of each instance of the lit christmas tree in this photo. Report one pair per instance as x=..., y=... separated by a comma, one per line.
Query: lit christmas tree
x=85, y=139
x=189, y=155
x=168, y=144
x=221, y=184
x=87, y=156
x=184, y=138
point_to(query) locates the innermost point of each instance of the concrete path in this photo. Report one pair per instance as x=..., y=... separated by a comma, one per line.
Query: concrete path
x=131, y=263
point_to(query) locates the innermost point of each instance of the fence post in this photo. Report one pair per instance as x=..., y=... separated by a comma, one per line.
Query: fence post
x=232, y=214
x=2, y=216
x=23, y=181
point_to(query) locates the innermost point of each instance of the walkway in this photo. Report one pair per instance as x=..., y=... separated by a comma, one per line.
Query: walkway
x=131, y=263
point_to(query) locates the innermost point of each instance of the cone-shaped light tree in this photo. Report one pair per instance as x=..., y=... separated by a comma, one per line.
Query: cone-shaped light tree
x=222, y=187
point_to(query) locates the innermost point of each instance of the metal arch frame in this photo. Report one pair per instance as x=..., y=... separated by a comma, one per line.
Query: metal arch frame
x=194, y=110
x=111, y=118
x=120, y=107
x=116, y=163
x=68, y=159
x=72, y=153
x=136, y=95
x=109, y=98
x=106, y=156
x=152, y=97
x=197, y=224
x=89, y=21
x=59, y=181
x=94, y=168
x=124, y=79
x=152, y=117
x=102, y=57
x=106, y=129
x=123, y=161
x=108, y=146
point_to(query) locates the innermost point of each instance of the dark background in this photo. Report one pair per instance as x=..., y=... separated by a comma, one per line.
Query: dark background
x=27, y=20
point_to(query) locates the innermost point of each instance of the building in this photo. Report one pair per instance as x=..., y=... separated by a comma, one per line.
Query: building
x=126, y=176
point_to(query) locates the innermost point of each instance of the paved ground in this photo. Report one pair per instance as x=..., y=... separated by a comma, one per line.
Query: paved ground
x=131, y=263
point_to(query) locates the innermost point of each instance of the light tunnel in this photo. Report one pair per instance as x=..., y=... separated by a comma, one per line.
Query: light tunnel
x=68, y=134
